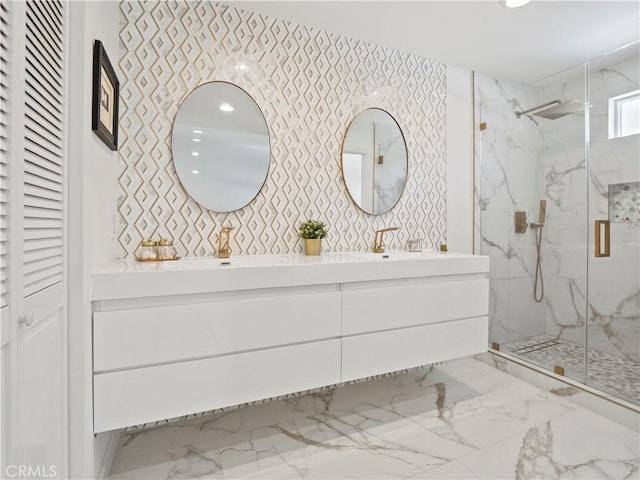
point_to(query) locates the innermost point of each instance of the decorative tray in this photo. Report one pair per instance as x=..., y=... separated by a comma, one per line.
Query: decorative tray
x=157, y=259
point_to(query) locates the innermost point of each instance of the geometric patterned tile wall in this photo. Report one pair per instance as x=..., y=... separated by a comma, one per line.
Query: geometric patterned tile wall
x=309, y=85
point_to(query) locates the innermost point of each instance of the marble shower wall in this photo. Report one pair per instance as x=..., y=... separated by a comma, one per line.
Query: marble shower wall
x=309, y=84
x=509, y=153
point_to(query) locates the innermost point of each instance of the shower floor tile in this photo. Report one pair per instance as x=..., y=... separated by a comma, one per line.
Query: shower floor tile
x=607, y=372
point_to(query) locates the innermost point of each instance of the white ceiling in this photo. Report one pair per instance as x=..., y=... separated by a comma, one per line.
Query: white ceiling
x=525, y=44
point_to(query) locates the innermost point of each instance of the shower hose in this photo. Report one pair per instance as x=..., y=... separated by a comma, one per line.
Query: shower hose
x=538, y=280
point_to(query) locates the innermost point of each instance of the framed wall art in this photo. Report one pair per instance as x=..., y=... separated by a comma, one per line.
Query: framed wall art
x=106, y=95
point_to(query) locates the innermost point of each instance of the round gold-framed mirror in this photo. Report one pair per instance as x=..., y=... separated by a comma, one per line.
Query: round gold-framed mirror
x=221, y=147
x=374, y=161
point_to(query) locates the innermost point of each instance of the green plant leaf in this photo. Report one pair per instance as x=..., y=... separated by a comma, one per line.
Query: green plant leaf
x=312, y=229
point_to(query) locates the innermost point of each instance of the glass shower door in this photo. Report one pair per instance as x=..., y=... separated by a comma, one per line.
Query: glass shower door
x=613, y=363
x=531, y=214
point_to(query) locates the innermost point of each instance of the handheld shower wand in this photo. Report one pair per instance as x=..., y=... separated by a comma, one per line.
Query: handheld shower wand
x=542, y=213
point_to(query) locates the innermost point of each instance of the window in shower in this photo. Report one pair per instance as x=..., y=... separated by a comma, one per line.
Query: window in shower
x=624, y=115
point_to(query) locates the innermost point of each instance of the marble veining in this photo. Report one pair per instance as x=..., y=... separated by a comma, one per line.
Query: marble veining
x=461, y=419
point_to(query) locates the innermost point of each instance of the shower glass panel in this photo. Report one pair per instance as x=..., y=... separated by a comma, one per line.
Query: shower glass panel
x=531, y=159
x=564, y=153
x=614, y=195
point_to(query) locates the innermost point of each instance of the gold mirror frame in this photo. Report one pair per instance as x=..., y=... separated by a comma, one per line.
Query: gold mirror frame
x=221, y=146
x=382, y=154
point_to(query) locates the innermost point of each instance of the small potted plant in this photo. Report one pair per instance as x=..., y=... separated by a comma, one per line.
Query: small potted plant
x=312, y=231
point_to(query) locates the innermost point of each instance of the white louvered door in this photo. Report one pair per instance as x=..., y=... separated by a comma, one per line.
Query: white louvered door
x=36, y=290
x=5, y=314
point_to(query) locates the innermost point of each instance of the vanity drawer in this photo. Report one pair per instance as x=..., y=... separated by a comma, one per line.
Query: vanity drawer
x=148, y=336
x=375, y=308
x=142, y=395
x=382, y=352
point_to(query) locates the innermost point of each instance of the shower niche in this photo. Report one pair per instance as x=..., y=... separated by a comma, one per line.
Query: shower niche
x=546, y=154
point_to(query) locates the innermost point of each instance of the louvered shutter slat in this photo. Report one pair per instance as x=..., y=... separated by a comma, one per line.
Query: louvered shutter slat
x=45, y=80
x=41, y=280
x=38, y=182
x=4, y=154
x=52, y=11
x=44, y=163
x=48, y=135
x=44, y=173
x=40, y=151
x=44, y=146
x=47, y=40
x=41, y=203
x=42, y=264
x=42, y=243
x=38, y=234
x=39, y=189
x=42, y=47
x=48, y=223
x=35, y=212
x=37, y=93
x=42, y=253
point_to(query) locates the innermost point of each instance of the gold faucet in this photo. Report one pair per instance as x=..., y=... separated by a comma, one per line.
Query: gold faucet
x=378, y=244
x=224, y=249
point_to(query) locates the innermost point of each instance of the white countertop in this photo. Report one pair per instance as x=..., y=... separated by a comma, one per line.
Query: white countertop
x=132, y=279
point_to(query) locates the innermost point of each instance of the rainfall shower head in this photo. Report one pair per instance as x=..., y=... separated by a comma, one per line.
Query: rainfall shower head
x=555, y=109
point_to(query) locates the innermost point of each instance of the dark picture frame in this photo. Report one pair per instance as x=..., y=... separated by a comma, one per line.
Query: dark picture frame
x=106, y=96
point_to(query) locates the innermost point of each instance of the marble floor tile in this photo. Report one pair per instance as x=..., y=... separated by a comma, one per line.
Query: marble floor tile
x=460, y=419
x=494, y=417
x=602, y=403
x=578, y=445
x=177, y=434
x=189, y=461
x=451, y=470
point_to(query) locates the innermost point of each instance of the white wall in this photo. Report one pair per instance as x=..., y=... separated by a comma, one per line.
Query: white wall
x=459, y=159
x=92, y=182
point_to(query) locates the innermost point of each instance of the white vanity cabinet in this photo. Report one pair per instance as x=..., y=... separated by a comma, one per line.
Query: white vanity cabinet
x=269, y=326
x=397, y=324
x=152, y=363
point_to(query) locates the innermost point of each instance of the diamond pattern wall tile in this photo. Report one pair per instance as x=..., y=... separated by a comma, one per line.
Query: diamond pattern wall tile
x=309, y=85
